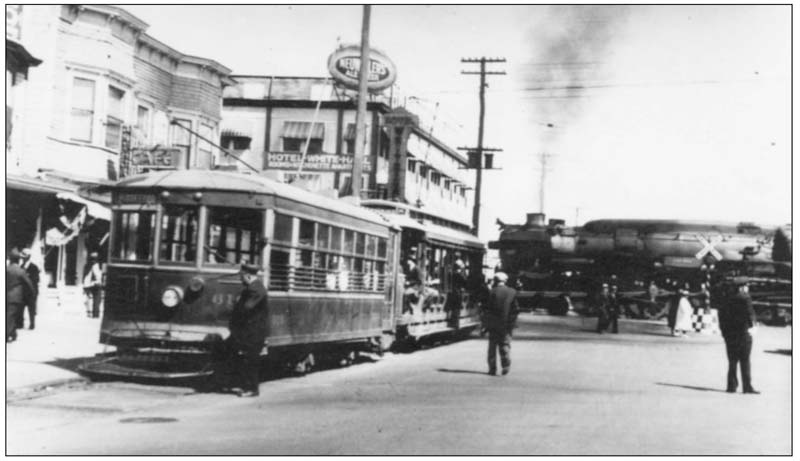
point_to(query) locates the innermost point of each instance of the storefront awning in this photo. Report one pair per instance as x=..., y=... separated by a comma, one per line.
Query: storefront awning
x=93, y=209
x=236, y=129
x=300, y=130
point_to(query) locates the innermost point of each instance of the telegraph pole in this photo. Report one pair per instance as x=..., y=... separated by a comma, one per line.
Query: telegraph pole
x=361, y=113
x=476, y=210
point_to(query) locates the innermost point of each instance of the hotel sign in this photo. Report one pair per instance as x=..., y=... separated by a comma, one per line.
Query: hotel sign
x=313, y=162
x=344, y=65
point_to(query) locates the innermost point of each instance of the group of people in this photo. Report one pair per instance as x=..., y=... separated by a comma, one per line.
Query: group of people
x=22, y=292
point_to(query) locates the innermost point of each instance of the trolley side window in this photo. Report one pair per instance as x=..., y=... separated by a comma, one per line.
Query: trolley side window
x=134, y=235
x=179, y=234
x=234, y=236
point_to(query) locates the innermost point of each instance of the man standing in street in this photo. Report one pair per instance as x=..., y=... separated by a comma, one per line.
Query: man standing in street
x=19, y=292
x=602, y=303
x=499, y=318
x=32, y=271
x=737, y=322
x=248, y=328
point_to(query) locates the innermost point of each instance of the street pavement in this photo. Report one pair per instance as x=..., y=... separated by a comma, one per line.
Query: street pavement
x=49, y=355
x=570, y=392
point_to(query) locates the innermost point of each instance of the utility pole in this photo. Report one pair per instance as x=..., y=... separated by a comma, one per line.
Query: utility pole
x=361, y=113
x=476, y=210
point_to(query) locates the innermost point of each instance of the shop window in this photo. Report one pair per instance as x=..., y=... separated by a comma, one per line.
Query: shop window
x=114, y=116
x=82, y=114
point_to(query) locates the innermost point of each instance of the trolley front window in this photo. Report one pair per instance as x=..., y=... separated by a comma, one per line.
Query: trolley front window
x=133, y=235
x=234, y=236
x=179, y=234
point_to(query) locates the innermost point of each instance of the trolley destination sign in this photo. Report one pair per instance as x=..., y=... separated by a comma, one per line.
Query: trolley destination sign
x=313, y=162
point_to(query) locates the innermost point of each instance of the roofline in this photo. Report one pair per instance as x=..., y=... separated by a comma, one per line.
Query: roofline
x=117, y=12
x=441, y=145
x=302, y=103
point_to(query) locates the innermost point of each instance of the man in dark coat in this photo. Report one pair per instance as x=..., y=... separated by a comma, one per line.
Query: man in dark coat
x=736, y=321
x=19, y=292
x=32, y=270
x=248, y=328
x=499, y=319
x=602, y=303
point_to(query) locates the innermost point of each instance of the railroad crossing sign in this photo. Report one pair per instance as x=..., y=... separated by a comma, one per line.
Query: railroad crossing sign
x=708, y=247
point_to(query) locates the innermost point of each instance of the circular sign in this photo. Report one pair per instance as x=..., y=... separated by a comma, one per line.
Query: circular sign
x=344, y=65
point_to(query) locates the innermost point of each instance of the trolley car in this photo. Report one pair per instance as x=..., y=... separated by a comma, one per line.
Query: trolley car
x=332, y=271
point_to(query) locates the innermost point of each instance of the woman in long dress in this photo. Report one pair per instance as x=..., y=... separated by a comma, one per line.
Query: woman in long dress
x=683, y=318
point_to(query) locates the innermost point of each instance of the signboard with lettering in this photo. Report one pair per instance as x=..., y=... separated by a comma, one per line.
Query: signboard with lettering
x=313, y=162
x=344, y=65
x=158, y=158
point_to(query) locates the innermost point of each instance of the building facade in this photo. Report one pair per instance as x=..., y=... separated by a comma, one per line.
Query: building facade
x=105, y=102
x=302, y=130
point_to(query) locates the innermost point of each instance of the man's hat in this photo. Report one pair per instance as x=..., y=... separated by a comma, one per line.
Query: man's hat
x=14, y=255
x=501, y=277
x=250, y=269
x=93, y=255
x=26, y=253
x=739, y=281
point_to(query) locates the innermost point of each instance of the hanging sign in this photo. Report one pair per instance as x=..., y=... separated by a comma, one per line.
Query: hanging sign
x=344, y=65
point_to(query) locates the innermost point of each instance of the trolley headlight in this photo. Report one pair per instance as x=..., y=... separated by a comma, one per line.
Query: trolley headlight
x=171, y=296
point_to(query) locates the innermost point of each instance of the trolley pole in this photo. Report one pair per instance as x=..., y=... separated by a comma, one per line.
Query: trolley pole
x=476, y=210
x=361, y=113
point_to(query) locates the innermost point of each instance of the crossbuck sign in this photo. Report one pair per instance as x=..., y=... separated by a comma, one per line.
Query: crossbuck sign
x=708, y=247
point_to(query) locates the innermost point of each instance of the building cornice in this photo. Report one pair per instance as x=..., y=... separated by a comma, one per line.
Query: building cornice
x=117, y=13
x=304, y=104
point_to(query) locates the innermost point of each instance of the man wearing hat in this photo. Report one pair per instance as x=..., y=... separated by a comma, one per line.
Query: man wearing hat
x=93, y=284
x=603, y=301
x=19, y=292
x=32, y=271
x=500, y=315
x=736, y=322
x=248, y=330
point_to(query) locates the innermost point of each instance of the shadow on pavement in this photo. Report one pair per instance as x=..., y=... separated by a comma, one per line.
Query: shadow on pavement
x=470, y=372
x=780, y=351
x=692, y=388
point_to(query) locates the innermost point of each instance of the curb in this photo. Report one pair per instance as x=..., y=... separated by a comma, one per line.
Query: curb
x=34, y=390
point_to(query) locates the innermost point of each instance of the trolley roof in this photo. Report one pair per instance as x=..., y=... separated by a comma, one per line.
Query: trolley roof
x=223, y=181
x=436, y=232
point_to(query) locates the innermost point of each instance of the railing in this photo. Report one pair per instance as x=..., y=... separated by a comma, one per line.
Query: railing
x=288, y=278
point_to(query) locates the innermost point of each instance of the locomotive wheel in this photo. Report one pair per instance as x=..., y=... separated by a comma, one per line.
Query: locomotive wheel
x=305, y=365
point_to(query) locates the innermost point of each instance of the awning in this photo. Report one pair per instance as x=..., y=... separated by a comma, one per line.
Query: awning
x=236, y=129
x=93, y=209
x=17, y=56
x=29, y=184
x=350, y=132
x=300, y=130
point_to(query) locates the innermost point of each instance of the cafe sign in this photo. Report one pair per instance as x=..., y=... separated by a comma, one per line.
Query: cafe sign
x=159, y=158
x=313, y=162
x=344, y=65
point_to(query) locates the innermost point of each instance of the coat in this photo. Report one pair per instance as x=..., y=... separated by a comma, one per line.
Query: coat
x=248, y=323
x=500, y=313
x=19, y=289
x=737, y=316
x=32, y=270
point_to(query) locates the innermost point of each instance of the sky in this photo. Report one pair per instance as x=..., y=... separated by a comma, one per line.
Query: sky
x=662, y=111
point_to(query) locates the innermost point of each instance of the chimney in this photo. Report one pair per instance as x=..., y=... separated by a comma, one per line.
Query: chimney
x=534, y=220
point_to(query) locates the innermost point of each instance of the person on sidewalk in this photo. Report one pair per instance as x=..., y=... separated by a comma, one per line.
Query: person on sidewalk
x=499, y=319
x=19, y=292
x=32, y=271
x=93, y=284
x=737, y=324
x=248, y=331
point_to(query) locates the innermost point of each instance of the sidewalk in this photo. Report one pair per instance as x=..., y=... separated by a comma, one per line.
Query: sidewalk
x=49, y=355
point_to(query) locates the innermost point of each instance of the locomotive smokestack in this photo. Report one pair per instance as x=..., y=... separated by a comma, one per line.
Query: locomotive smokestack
x=534, y=219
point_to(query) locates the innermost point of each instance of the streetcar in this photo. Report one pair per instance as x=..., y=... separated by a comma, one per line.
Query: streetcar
x=332, y=271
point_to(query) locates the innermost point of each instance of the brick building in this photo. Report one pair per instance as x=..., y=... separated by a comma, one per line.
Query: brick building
x=100, y=105
x=269, y=121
